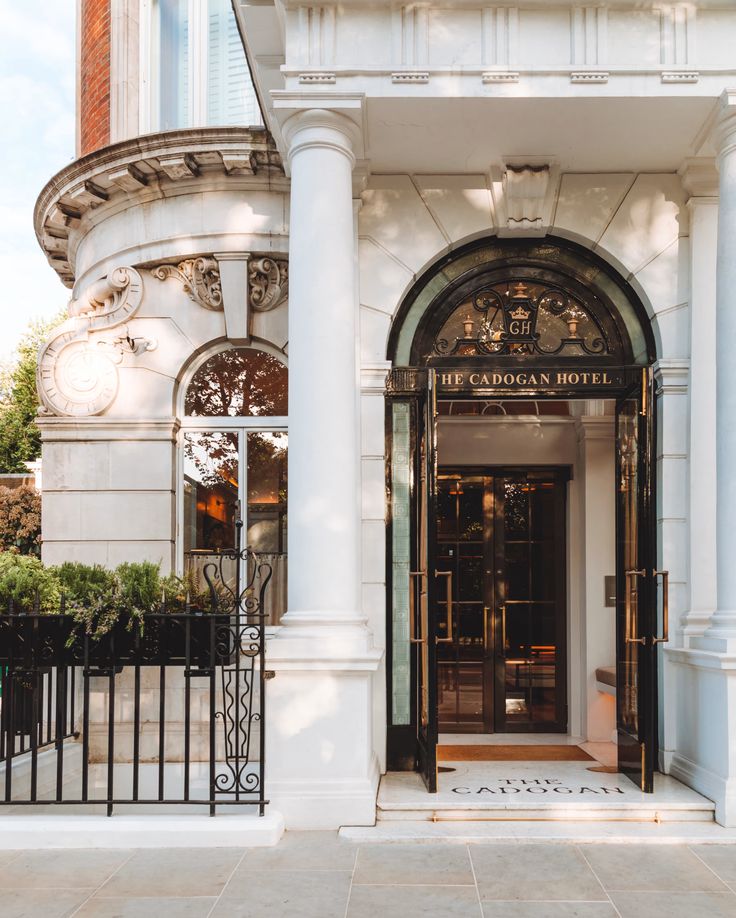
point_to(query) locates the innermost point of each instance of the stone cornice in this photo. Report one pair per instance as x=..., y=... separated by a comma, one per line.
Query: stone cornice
x=107, y=428
x=135, y=165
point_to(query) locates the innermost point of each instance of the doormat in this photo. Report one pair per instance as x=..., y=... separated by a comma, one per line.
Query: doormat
x=541, y=753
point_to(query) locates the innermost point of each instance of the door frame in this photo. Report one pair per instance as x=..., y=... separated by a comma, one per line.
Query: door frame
x=457, y=379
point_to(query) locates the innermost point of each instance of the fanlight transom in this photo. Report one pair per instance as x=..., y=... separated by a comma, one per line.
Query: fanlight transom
x=523, y=317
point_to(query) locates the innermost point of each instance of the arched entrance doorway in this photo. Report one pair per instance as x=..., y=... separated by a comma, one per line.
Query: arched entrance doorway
x=479, y=535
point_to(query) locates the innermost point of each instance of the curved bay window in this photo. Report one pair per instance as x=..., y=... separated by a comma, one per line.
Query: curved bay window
x=234, y=461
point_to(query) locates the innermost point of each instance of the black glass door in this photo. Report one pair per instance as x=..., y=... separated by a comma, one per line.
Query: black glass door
x=501, y=661
x=636, y=585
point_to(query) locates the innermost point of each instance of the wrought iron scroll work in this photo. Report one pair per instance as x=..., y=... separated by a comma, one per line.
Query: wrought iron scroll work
x=522, y=317
x=241, y=647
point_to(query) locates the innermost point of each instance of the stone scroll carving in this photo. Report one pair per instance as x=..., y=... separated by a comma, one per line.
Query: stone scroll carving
x=77, y=373
x=200, y=278
x=268, y=282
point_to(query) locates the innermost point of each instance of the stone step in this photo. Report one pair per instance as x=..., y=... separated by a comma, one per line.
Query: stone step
x=535, y=792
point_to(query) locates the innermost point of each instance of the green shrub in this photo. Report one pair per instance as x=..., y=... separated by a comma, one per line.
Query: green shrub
x=24, y=581
x=84, y=582
x=95, y=597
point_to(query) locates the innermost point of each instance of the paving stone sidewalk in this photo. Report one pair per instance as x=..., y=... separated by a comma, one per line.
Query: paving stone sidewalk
x=318, y=875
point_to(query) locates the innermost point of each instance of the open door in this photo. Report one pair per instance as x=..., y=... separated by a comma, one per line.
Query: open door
x=424, y=578
x=636, y=585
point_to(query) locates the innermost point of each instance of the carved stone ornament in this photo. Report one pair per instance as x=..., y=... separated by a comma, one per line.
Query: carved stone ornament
x=526, y=189
x=268, y=282
x=77, y=373
x=200, y=278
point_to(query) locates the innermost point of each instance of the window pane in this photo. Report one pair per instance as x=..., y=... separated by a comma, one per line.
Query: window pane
x=173, y=63
x=238, y=382
x=266, y=517
x=210, y=490
x=231, y=98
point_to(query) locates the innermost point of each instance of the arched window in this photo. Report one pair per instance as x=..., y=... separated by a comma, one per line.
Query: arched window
x=234, y=460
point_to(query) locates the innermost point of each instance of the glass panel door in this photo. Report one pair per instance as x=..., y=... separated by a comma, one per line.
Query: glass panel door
x=461, y=543
x=635, y=585
x=529, y=607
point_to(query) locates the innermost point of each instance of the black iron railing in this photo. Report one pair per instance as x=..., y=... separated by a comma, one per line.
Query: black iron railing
x=174, y=714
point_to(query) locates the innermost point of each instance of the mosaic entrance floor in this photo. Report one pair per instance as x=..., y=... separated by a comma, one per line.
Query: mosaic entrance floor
x=555, y=790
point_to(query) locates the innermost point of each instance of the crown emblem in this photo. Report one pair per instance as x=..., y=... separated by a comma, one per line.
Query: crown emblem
x=520, y=313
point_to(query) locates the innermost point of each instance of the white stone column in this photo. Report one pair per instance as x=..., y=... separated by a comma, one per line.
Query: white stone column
x=321, y=764
x=324, y=501
x=700, y=180
x=721, y=635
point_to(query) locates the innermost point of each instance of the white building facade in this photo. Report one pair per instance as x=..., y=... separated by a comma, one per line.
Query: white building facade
x=490, y=252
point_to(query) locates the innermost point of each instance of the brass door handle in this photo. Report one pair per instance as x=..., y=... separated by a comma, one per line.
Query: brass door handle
x=486, y=612
x=448, y=599
x=627, y=594
x=503, y=629
x=412, y=610
x=665, y=575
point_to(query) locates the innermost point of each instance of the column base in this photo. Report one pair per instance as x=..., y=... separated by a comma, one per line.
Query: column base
x=327, y=804
x=706, y=726
x=321, y=766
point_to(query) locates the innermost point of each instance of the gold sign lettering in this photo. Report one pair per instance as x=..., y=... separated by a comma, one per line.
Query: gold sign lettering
x=522, y=379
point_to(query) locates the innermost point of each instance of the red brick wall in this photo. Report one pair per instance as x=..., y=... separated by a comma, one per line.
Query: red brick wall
x=94, y=92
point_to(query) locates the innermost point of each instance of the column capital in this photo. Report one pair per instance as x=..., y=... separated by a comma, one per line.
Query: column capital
x=699, y=177
x=724, y=129
x=327, y=120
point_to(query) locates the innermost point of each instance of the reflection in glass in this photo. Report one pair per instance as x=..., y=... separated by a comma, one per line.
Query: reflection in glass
x=210, y=490
x=267, y=491
x=173, y=63
x=231, y=98
x=238, y=382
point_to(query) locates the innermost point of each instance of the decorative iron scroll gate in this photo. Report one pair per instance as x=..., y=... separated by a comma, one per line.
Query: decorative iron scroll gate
x=172, y=715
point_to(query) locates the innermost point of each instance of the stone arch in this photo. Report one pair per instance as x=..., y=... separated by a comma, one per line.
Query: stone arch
x=455, y=272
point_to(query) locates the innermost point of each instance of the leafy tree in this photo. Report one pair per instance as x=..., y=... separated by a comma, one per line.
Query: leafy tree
x=20, y=520
x=20, y=440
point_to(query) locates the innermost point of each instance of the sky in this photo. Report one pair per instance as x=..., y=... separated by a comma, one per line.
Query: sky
x=37, y=94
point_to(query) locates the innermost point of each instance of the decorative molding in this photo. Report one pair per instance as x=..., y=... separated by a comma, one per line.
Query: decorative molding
x=589, y=76
x=268, y=282
x=317, y=78
x=200, y=278
x=498, y=76
x=410, y=76
x=699, y=177
x=589, y=35
x=77, y=375
x=525, y=190
x=145, y=165
x=680, y=76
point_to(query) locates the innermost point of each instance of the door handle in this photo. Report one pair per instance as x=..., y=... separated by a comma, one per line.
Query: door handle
x=627, y=594
x=412, y=610
x=486, y=612
x=665, y=575
x=448, y=599
x=503, y=629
